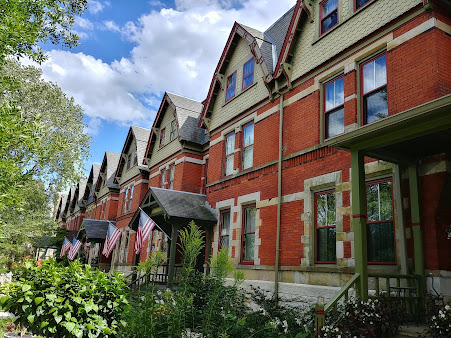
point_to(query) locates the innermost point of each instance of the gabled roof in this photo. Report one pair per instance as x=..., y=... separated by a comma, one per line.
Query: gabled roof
x=81, y=191
x=141, y=137
x=187, y=114
x=271, y=50
x=93, y=229
x=108, y=170
x=61, y=206
x=70, y=199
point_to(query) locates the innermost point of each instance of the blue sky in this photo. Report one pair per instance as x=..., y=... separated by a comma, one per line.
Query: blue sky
x=132, y=51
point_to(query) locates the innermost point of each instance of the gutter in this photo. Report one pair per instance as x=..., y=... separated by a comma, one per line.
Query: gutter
x=279, y=200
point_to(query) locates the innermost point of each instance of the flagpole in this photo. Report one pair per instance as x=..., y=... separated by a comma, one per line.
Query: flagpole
x=156, y=224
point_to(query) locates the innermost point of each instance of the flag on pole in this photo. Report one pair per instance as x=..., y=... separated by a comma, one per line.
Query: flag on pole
x=66, y=246
x=112, y=236
x=146, y=224
x=76, y=244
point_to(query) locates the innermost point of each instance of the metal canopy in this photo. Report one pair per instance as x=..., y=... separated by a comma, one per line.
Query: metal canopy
x=403, y=138
x=94, y=229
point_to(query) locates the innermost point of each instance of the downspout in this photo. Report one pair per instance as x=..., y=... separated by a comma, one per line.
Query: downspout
x=279, y=200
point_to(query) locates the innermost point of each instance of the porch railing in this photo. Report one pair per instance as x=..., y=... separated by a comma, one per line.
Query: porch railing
x=321, y=310
x=406, y=288
x=138, y=280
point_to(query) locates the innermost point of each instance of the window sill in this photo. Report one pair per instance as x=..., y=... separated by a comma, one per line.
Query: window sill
x=238, y=95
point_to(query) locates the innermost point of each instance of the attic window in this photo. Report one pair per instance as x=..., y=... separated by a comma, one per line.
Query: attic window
x=360, y=3
x=248, y=73
x=231, y=84
x=328, y=15
x=162, y=134
x=173, y=133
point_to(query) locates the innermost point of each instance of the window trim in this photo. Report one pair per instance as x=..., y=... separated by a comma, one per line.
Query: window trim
x=162, y=139
x=162, y=178
x=364, y=5
x=244, y=75
x=376, y=181
x=325, y=112
x=321, y=33
x=243, y=216
x=225, y=154
x=243, y=148
x=130, y=198
x=124, y=204
x=227, y=88
x=221, y=213
x=362, y=94
x=324, y=192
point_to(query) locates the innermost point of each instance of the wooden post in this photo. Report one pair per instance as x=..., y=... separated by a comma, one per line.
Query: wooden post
x=358, y=191
x=172, y=252
x=319, y=317
x=417, y=231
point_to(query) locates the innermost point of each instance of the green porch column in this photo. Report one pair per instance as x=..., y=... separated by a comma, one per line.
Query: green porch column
x=172, y=252
x=415, y=215
x=358, y=192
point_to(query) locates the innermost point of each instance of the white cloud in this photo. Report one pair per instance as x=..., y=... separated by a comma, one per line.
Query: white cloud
x=84, y=23
x=174, y=51
x=96, y=6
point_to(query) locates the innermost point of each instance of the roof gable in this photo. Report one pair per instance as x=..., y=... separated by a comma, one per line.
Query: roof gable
x=108, y=170
x=61, y=207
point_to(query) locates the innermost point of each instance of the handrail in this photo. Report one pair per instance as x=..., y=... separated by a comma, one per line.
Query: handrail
x=344, y=291
x=321, y=310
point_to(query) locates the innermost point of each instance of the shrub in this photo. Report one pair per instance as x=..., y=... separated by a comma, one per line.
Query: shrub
x=440, y=323
x=66, y=301
x=374, y=318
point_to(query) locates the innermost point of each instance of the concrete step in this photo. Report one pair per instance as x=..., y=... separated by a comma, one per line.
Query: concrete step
x=412, y=330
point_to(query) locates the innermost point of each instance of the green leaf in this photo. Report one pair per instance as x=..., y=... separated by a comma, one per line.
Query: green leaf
x=38, y=300
x=31, y=318
x=90, y=326
x=26, y=287
x=58, y=319
x=4, y=299
x=50, y=296
x=69, y=326
x=44, y=324
x=25, y=307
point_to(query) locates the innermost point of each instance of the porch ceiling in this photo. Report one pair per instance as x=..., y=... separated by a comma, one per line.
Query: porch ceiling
x=403, y=138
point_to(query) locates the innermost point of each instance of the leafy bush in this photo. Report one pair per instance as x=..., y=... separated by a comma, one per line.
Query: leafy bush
x=440, y=323
x=371, y=319
x=65, y=301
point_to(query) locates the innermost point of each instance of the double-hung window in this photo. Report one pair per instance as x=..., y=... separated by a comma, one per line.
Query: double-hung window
x=163, y=172
x=360, y=3
x=334, y=108
x=248, y=73
x=224, y=229
x=124, y=206
x=171, y=176
x=231, y=85
x=130, y=198
x=325, y=244
x=328, y=15
x=380, y=225
x=129, y=161
x=229, y=154
x=248, y=237
x=374, y=99
x=248, y=145
x=162, y=135
x=173, y=133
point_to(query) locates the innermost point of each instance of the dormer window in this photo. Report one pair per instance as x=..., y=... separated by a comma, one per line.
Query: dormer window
x=248, y=73
x=328, y=15
x=135, y=158
x=131, y=160
x=162, y=135
x=231, y=84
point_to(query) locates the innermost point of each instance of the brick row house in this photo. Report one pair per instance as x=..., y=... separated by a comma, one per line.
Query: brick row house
x=325, y=141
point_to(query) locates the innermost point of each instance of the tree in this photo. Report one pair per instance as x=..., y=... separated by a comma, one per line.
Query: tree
x=25, y=23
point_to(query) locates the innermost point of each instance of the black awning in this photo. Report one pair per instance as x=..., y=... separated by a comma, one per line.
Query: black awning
x=94, y=229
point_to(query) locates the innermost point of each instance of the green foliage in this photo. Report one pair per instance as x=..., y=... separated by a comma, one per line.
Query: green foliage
x=209, y=306
x=440, y=322
x=150, y=266
x=25, y=23
x=67, y=301
x=373, y=319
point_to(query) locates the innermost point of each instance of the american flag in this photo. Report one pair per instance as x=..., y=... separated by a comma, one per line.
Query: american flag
x=145, y=226
x=66, y=246
x=112, y=236
x=76, y=244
